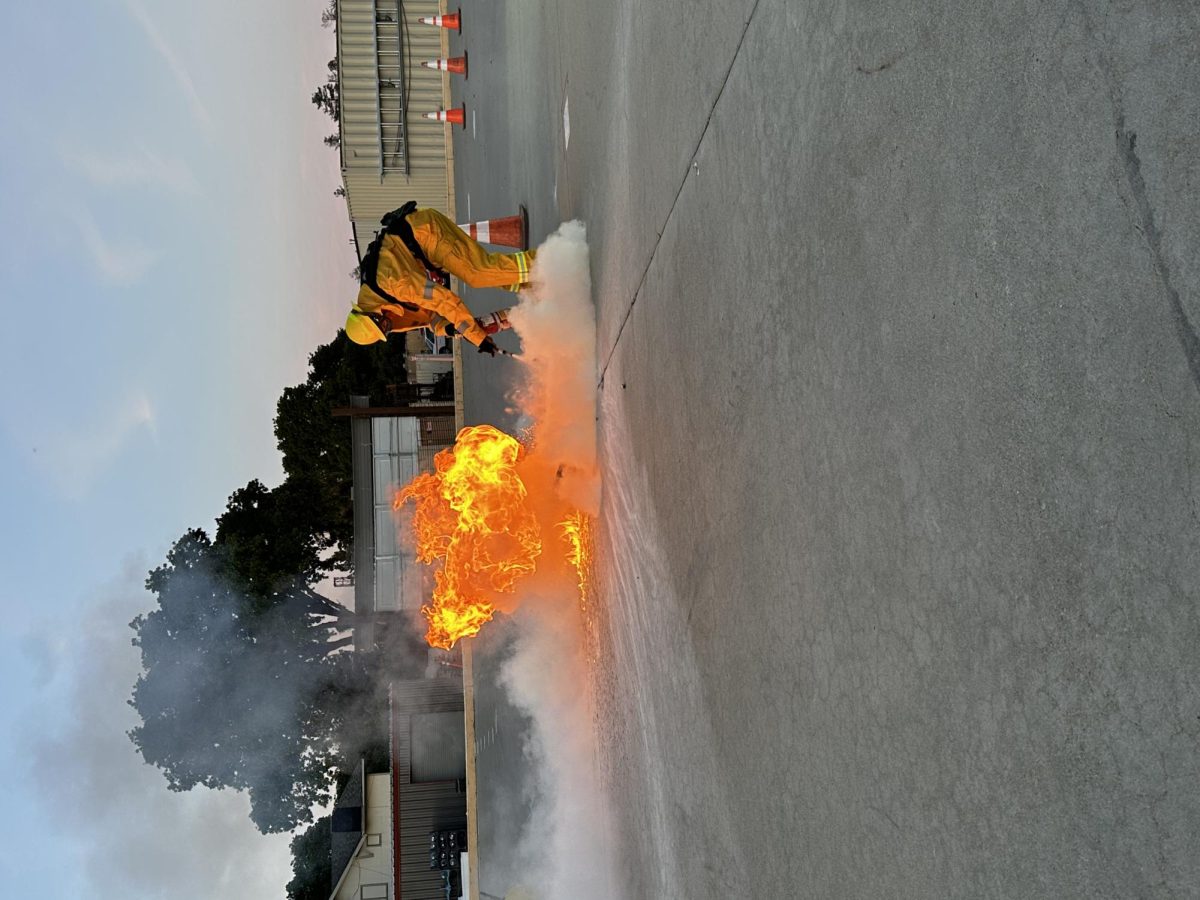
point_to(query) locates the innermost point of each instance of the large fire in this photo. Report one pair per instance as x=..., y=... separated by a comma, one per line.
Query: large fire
x=472, y=516
x=475, y=521
x=504, y=521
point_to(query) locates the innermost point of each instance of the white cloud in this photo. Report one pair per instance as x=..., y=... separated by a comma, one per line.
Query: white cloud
x=174, y=63
x=73, y=459
x=119, y=263
x=138, y=168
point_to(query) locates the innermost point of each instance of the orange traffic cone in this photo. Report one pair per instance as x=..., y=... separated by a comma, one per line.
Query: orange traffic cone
x=510, y=231
x=455, y=116
x=450, y=20
x=456, y=65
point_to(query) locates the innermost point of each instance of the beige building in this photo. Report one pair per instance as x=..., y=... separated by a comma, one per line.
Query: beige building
x=361, y=845
x=389, y=153
x=399, y=834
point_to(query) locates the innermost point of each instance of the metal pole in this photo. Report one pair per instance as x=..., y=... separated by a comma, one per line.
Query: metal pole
x=375, y=412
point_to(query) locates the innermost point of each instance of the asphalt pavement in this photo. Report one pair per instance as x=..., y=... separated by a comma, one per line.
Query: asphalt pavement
x=899, y=395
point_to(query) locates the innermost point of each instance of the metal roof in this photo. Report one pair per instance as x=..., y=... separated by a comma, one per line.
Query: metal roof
x=347, y=836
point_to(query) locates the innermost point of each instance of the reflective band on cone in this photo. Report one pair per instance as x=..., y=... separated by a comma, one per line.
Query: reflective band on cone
x=456, y=65
x=509, y=231
x=450, y=20
x=455, y=116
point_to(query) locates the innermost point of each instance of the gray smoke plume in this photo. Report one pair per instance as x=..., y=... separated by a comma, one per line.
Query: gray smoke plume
x=136, y=838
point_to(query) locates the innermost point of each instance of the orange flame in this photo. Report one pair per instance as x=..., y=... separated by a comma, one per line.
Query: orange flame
x=472, y=515
x=576, y=530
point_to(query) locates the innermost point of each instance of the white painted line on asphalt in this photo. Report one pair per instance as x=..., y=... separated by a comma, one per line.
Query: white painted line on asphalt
x=566, y=122
x=468, y=207
x=472, y=124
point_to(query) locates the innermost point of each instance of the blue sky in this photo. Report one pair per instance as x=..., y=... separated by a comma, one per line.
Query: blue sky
x=170, y=252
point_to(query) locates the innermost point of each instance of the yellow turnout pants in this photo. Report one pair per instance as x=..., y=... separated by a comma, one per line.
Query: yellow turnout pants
x=449, y=247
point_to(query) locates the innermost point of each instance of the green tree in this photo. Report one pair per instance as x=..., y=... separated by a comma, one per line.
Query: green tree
x=303, y=529
x=244, y=684
x=271, y=539
x=312, y=869
x=247, y=693
x=316, y=446
x=327, y=98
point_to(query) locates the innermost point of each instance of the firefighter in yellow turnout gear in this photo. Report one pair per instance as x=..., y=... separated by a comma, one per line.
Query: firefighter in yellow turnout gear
x=401, y=291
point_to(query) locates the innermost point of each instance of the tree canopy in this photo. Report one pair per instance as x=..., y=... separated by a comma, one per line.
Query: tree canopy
x=327, y=98
x=316, y=446
x=312, y=869
x=303, y=529
x=244, y=693
x=273, y=538
x=243, y=684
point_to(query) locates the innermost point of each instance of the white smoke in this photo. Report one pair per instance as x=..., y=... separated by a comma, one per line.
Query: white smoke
x=134, y=837
x=567, y=848
x=568, y=845
x=557, y=326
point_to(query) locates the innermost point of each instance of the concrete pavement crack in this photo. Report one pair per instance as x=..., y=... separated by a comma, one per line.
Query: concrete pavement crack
x=687, y=171
x=1147, y=225
x=881, y=67
x=1127, y=147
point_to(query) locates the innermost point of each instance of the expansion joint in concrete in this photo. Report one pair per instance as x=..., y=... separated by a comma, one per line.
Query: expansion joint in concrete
x=1147, y=222
x=679, y=191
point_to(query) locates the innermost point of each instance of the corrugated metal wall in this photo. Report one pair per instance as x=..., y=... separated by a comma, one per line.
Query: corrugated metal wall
x=443, y=694
x=421, y=808
x=395, y=442
x=369, y=165
x=425, y=807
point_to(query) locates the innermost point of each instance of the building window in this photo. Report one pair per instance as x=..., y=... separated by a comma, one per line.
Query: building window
x=374, y=840
x=374, y=892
